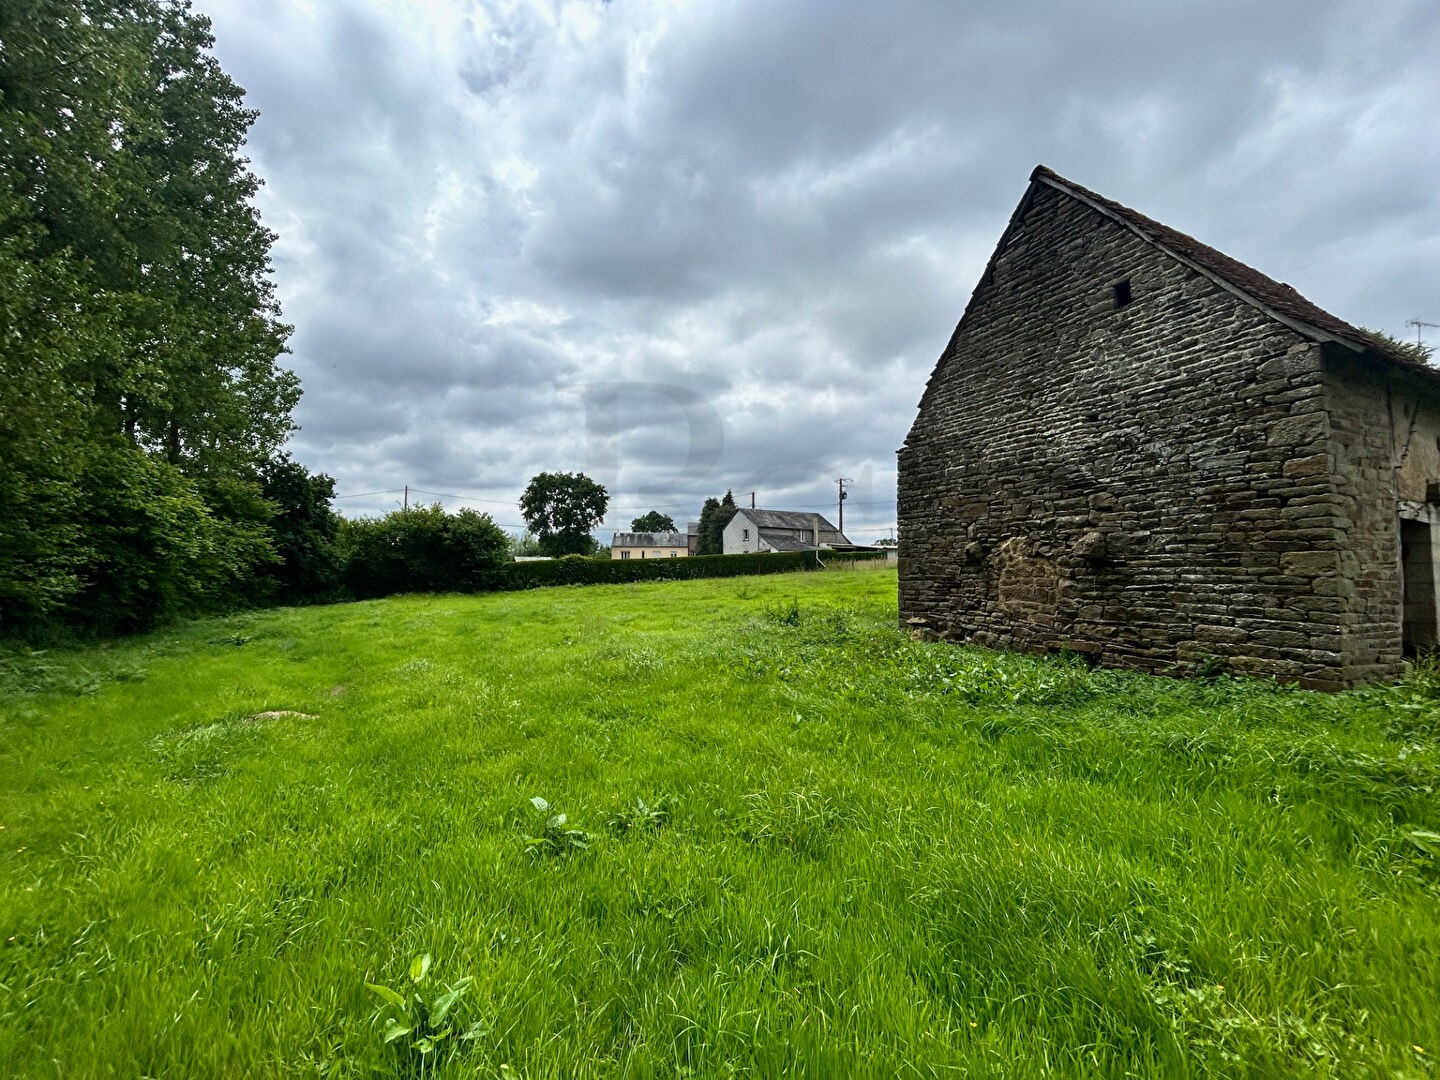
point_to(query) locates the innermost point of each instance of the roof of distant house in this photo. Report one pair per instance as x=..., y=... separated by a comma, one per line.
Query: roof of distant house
x=648, y=539
x=791, y=530
x=785, y=519
x=1276, y=298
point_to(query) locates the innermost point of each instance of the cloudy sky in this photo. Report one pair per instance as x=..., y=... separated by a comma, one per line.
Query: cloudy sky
x=685, y=247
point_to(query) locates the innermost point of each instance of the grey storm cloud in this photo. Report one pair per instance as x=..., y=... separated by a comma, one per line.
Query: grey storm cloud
x=691, y=246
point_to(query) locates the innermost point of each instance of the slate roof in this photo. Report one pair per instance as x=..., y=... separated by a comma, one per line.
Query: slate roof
x=783, y=540
x=1276, y=298
x=786, y=519
x=648, y=539
x=791, y=530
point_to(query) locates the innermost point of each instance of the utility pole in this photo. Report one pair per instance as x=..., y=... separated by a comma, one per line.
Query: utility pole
x=842, y=481
x=406, y=504
x=752, y=498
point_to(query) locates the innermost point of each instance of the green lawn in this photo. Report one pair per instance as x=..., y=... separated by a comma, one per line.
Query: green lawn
x=858, y=854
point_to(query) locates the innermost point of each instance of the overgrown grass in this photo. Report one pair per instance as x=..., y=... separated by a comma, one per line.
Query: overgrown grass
x=805, y=845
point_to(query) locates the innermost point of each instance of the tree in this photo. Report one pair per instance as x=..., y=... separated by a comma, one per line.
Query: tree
x=714, y=516
x=887, y=542
x=422, y=549
x=303, y=530
x=704, y=531
x=561, y=509
x=153, y=548
x=654, y=521
x=139, y=321
x=526, y=546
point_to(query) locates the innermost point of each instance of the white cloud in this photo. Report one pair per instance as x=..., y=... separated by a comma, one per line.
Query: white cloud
x=770, y=214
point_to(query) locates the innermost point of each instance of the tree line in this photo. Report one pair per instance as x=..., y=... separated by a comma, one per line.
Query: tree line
x=141, y=462
x=143, y=473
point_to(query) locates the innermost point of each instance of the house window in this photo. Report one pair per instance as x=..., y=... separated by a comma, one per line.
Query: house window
x=744, y=534
x=1122, y=293
x=624, y=554
x=674, y=554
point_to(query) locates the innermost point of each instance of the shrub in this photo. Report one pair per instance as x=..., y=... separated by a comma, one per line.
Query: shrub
x=153, y=548
x=422, y=549
x=303, y=532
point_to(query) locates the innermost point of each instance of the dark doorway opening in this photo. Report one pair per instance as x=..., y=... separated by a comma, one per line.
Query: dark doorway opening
x=1417, y=571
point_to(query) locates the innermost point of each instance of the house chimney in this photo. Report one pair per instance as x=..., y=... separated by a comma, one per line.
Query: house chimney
x=815, y=528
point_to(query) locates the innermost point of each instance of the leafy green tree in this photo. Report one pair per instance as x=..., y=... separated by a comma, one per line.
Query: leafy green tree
x=714, y=516
x=561, y=509
x=477, y=548
x=422, y=549
x=122, y=156
x=654, y=521
x=303, y=531
x=44, y=335
x=137, y=306
x=703, y=537
x=527, y=545
x=154, y=549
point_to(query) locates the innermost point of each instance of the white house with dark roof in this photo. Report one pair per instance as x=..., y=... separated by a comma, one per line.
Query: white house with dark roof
x=757, y=531
x=648, y=545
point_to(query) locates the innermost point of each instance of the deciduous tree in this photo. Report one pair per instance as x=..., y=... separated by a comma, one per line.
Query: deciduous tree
x=654, y=521
x=561, y=509
x=139, y=320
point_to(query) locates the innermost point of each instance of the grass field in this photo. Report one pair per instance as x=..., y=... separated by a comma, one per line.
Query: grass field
x=796, y=843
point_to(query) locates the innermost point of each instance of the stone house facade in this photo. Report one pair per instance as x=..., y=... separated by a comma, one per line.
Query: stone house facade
x=1139, y=449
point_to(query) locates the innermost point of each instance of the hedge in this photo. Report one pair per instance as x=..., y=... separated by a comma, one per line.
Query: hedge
x=581, y=571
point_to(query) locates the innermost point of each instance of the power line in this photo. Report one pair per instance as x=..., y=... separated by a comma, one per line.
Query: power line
x=466, y=498
x=367, y=494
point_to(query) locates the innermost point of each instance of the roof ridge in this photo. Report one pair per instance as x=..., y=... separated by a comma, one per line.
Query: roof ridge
x=1278, y=299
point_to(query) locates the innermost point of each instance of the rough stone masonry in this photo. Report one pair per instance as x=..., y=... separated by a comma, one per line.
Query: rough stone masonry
x=1141, y=450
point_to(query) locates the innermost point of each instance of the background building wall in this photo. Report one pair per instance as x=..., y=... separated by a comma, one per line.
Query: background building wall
x=741, y=536
x=1385, y=445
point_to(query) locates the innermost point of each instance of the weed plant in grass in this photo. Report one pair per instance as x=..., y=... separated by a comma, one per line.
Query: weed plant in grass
x=727, y=827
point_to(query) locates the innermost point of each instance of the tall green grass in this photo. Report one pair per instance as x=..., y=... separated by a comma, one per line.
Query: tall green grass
x=811, y=847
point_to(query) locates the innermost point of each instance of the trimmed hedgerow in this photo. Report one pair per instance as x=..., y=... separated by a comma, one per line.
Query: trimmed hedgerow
x=533, y=575
x=422, y=550
x=568, y=571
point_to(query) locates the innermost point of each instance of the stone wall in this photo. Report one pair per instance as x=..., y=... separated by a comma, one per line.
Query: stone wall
x=1385, y=448
x=1149, y=483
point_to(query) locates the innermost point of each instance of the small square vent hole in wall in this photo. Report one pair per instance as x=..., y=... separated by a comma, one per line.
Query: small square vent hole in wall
x=1122, y=292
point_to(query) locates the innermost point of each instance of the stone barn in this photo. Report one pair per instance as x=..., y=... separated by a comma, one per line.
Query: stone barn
x=1139, y=449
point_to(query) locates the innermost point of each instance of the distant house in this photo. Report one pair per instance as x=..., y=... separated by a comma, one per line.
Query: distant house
x=648, y=545
x=692, y=536
x=1138, y=448
x=758, y=531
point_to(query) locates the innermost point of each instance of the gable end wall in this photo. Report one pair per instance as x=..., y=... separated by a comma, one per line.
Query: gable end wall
x=1149, y=484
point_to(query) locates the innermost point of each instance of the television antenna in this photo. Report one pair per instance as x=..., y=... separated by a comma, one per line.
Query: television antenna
x=1420, y=325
